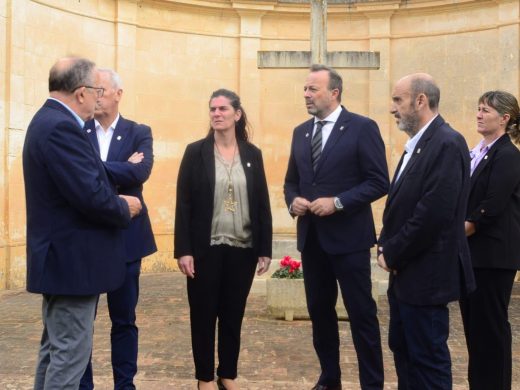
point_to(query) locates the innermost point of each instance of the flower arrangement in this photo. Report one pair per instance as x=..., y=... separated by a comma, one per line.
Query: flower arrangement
x=289, y=269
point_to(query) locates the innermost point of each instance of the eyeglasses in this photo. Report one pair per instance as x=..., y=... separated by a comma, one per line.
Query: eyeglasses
x=99, y=90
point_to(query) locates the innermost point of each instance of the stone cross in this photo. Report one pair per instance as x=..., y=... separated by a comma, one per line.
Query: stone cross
x=318, y=53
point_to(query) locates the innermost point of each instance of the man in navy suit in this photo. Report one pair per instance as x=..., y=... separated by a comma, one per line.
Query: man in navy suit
x=423, y=244
x=337, y=167
x=75, y=248
x=125, y=148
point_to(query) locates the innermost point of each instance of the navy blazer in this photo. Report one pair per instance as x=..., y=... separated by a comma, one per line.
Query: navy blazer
x=494, y=208
x=423, y=237
x=195, y=194
x=352, y=167
x=130, y=137
x=74, y=217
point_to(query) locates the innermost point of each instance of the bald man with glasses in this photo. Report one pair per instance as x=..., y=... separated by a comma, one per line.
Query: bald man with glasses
x=75, y=248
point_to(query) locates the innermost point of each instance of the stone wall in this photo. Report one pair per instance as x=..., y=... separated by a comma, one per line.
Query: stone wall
x=172, y=54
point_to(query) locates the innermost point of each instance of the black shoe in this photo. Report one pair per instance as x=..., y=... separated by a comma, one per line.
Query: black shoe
x=220, y=385
x=326, y=387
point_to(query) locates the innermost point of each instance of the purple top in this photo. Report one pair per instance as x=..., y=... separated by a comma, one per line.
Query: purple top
x=478, y=153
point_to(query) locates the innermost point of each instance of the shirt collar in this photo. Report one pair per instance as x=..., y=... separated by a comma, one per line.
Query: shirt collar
x=80, y=121
x=480, y=148
x=332, y=118
x=111, y=127
x=412, y=142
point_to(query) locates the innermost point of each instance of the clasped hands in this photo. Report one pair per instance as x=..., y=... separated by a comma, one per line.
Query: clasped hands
x=320, y=207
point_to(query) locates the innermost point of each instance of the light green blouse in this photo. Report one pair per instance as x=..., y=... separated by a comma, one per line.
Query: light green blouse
x=227, y=227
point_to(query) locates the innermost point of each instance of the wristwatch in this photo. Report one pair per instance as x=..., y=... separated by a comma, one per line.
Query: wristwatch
x=337, y=204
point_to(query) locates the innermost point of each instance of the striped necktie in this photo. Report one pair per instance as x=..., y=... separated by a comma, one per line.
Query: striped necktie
x=316, y=145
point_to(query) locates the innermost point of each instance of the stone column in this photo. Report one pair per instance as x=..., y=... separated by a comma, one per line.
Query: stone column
x=16, y=92
x=5, y=29
x=126, y=44
x=380, y=87
x=509, y=43
x=249, y=84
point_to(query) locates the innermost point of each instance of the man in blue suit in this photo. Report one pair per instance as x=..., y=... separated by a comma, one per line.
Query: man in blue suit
x=337, y=167
x=75, y=248
x=125, y=148
x=423, y=243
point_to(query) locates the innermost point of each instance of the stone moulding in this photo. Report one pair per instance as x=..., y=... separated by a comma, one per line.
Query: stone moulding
x=286, y=300
x=302, y=59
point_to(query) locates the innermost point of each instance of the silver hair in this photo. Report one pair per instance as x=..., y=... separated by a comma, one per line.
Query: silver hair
x=115, y=79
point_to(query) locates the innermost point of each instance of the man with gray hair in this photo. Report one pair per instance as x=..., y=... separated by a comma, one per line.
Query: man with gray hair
x=125, y=148
x=423, y=244
x=75, y=248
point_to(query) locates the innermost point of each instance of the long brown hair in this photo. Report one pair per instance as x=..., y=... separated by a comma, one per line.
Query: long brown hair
x=242, y=126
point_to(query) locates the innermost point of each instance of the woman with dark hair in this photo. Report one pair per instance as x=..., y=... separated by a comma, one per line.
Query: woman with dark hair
x=223, y=231
x=493, y=230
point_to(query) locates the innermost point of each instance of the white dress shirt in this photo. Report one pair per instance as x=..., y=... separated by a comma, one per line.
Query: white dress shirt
x=104, y=137
x=330, y=121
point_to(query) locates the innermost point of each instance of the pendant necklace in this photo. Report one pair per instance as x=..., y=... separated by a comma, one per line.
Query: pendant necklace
x=229, y=203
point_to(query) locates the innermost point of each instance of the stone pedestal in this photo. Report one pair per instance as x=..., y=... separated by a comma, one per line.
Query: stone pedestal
x=286, y=300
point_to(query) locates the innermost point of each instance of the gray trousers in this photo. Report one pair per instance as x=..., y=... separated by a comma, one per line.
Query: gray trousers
x=66, y=344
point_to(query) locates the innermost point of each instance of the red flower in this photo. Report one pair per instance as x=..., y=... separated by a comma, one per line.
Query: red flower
x=289, y=268
x=294, y=264
x=286, y=261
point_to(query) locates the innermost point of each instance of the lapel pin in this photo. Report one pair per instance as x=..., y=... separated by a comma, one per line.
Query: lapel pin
x=485, y=157
x=341, y=128
x=307, y=135
x=418, y=150
x=119, y=138
x=88, y=130
x=248, y=165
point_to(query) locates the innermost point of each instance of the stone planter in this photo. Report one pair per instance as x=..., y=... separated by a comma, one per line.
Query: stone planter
x=286, y=300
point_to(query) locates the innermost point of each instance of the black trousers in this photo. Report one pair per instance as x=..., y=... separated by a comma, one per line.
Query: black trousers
x=487, y=329
x=418, y=337
x=352, y=272
x=223, y=278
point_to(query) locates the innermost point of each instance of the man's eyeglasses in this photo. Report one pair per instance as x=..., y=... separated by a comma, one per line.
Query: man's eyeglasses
x=99, y=90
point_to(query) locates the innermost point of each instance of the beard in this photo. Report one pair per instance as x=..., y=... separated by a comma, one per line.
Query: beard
x=312, y=110
x=409, y=123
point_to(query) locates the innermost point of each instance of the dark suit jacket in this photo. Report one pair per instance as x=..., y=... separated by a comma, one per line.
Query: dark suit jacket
x=494, y=207
x=130, y=137
x=74, y=218
x=423, y=235
x=352, y=167
x=195, y=193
